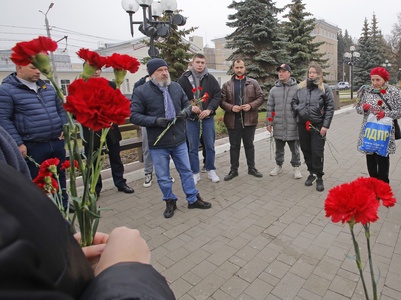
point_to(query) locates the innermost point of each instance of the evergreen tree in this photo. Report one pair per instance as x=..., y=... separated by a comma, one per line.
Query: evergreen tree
x=344, y=43
x=363, y=65
x=301, y=49
x=174, y=50
x=257, y=39
x=372, y=49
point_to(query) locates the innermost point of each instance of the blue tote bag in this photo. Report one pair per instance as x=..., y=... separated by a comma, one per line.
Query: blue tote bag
x=377, y=135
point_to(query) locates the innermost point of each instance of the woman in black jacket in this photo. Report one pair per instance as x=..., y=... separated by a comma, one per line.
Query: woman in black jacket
x=313, y=106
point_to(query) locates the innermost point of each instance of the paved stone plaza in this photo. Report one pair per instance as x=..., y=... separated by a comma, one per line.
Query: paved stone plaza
x=265, y=238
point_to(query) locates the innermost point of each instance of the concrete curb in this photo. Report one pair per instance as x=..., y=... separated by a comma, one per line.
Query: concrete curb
x=134, y=170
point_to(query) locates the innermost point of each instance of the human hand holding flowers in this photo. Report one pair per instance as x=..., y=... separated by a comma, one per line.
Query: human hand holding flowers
x=95, y=105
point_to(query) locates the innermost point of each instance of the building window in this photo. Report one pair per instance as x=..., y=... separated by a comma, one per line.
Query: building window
x=64, y=85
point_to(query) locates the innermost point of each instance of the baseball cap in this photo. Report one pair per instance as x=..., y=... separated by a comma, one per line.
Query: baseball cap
x=284, y=67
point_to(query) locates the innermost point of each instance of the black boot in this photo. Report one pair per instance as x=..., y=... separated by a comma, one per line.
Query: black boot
x=319, y=184
x=171, y=206
x=199, y=203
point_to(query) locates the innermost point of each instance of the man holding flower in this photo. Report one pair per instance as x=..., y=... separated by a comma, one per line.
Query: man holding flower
x=33, y=115
x=162, y=107
x=196, y=83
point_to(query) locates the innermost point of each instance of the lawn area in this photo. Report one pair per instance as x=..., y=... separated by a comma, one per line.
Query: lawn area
x=221, y=130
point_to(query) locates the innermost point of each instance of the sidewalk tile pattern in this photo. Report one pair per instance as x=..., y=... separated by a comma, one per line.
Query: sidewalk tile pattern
x=266, y=238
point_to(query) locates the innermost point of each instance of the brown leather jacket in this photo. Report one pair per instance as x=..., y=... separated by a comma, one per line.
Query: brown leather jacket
x=253, y=95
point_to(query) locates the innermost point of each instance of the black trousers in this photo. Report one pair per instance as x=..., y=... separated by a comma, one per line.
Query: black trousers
x=312, y=146
x=378, y=166
x=247, y=135
x=116, y=165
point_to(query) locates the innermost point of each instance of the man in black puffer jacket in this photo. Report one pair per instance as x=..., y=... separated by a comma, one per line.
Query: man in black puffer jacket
x=162, y=106
x=33, y=115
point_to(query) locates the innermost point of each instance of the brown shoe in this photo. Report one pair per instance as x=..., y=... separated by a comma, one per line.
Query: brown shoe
x=199, y=203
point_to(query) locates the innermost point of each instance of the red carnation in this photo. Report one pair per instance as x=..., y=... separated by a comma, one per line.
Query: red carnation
x=270, y=119
x=46, y=182
x=194, y=90
x=24, y=52
x=380, y=102
x=49, y=165
x=95, y=104
x=308, y=125
x=381, y=189
x=92, y=58
x=205, y=97
x=241, y=77
x=351, y=202
x=199, y=88
x=273, y=114
x=122, y=62
x=383, y=91
x=67, y=164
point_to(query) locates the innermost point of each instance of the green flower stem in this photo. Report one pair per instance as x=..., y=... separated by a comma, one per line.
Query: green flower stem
x=358, y=258
x=372, y=276
x=164, y=131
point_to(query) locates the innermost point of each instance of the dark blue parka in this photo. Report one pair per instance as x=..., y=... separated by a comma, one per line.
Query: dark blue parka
x=148, y=104
x=30, y=116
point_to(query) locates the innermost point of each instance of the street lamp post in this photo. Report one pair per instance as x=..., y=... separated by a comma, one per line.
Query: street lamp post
x=49, y=36
x=352, y=57
x=150, y=25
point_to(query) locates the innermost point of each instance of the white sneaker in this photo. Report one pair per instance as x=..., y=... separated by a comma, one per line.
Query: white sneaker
x=148, y=180
x=196, y=177
x=297, y=173
x=277, y=170
x=213, y=176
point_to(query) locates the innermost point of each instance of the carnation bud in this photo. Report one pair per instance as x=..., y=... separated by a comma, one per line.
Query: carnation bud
x=119, y=75
x=42, y=62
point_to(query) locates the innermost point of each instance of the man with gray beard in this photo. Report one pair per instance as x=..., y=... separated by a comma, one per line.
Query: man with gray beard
x=155, y=105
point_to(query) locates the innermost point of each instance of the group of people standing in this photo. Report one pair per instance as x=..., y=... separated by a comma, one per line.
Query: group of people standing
x=158, y=103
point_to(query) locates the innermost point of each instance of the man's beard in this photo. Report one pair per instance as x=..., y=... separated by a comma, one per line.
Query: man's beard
x=163, y=82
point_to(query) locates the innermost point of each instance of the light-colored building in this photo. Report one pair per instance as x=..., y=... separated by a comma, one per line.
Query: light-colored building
x=68, y=71
x=327, y=33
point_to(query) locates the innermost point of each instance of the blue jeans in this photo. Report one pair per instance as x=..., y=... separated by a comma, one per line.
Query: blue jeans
x=161, y=164
x=42, y=151
x=193, y=137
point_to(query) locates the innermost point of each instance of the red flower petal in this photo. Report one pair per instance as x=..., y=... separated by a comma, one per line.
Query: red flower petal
x=273, y=113
x=351, y=202
x=122, y=62
x=92, y=58
x=23, y=52
x=380, y=102
x=308, y=125
x=95, y=104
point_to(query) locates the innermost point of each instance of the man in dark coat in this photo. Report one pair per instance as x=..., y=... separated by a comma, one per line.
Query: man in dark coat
x=113, y=139
x=162, y=106
x=40, y=259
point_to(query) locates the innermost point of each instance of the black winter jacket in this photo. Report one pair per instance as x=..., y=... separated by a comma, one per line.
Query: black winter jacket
x=40, y=259
x=312, y=104
x=147, y=104
x=209, y=84
x=30, y=116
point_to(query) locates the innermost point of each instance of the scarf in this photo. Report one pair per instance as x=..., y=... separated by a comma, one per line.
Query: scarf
x=196, y=78
x=169, y=110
